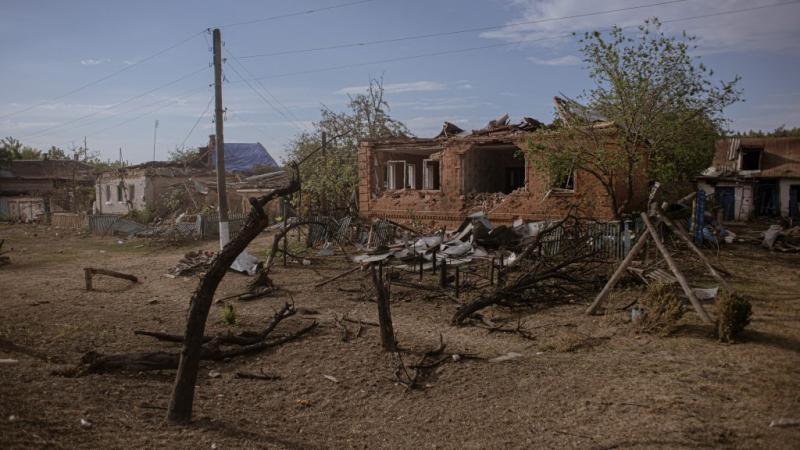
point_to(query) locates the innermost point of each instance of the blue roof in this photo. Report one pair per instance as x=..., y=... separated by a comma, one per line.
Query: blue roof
x=244, y=157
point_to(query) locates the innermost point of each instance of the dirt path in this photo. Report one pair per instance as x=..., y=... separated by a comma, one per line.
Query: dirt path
x=582, y=382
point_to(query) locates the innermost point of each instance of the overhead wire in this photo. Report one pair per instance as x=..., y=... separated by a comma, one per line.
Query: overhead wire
x=460, y=31
x=189, y=134
x=115, y=105
x=104, y=78
x=269, y=103
x=297, y=13
x=275, y=99
x=504, y=44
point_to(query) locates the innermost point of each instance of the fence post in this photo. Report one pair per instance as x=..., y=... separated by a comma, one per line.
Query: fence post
x=626, y=238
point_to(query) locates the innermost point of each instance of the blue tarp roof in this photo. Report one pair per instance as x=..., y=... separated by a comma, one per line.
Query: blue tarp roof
x=244, y=157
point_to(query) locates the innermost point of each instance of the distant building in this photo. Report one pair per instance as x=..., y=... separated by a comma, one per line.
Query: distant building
x=30, y=188
x=239, y=157
x=755, y=177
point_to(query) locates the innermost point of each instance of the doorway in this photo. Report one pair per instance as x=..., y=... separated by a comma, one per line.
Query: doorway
x=766, y=201
x=725, y=197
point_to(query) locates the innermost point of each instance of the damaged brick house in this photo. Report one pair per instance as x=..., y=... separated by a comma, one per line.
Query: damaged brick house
x=31, y=188
x=755, y=177
x=443, y=179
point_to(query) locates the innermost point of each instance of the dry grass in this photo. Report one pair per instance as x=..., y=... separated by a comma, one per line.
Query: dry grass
x=733, y=315
x=662, y=309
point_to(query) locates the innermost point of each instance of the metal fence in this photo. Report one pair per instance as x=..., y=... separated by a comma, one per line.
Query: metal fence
x=611, y=240
x=209, y=224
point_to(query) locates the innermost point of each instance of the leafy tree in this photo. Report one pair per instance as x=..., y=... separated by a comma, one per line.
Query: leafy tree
x=183, y=154
x=654, y=110
x=781, y=131
x=330, y=178
x=11, y=148
x=56, y=153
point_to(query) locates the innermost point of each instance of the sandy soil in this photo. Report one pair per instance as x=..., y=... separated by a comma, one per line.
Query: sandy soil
x=582, y=382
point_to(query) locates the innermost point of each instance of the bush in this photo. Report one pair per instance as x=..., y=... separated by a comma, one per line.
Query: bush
x=733, y=315
x=228, y=316
x=662, y=309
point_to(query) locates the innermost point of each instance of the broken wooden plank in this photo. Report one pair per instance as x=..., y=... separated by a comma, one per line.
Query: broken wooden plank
x=89, y=272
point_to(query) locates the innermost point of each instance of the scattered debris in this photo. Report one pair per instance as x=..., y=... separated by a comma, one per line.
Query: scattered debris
x=331, y=378
x=192, y=262
x=507, y=357
x=784, y=423
x=85, y=424
x=212, y=349
x=776, y=237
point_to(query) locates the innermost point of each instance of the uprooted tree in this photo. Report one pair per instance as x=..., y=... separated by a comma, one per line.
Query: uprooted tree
x=182, y=399
x=654, y=110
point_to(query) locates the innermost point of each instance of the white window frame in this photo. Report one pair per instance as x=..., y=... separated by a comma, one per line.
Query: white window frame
x=392, y=183
x=428, y=176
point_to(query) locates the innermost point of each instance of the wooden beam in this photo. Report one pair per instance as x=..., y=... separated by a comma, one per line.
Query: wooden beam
x=618, y=273
x=675, y=271
x=685, y=238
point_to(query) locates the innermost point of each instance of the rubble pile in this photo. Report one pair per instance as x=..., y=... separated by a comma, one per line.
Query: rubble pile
x=782, y=239
x=192, y=262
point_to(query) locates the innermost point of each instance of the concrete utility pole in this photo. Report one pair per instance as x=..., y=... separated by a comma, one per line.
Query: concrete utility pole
x=155, y=130
x=219, y=144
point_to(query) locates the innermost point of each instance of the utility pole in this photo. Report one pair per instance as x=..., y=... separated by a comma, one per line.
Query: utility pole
x=155, y=130
x=219, y=144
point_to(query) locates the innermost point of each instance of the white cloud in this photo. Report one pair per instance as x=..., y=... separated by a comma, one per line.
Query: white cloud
x=397, y=88
x=94, y=62
x=721, y=33
x=566, y=60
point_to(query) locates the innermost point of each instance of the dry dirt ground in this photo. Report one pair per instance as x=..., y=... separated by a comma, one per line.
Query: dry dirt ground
x=581, y=382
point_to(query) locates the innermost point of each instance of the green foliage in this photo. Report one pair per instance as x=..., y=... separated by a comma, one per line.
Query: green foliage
x=143, y=216
x=733, y=315
x=56, y=153
x=330, y=178
x=181, y=154
x=665, y=108
x=781, y=131
x=228, y=316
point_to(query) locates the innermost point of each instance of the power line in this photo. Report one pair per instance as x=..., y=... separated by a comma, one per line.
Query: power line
x=275, y=99
x=260, y=95
x=166, y=102
x=297, y=13
x=504, y=44
x=106, y=77
x=130, y=99
x=461, y=31
x=198, y=121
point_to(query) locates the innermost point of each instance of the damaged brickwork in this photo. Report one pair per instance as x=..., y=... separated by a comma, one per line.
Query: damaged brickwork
x=441, y=180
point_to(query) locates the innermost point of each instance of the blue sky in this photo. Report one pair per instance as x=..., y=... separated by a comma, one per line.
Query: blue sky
x=50, y=48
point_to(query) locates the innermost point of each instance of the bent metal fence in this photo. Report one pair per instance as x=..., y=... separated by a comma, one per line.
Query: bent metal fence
x=611, y=240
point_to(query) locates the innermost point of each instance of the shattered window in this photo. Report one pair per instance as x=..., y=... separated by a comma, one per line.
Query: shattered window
x=132, y=192
x=430, y=175
x=395, y=175
x=566, y=181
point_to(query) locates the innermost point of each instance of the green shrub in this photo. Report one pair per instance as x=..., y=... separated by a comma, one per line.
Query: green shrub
x=228, y=316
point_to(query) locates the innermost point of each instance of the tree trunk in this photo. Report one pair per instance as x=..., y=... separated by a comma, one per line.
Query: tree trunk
x=180, y=405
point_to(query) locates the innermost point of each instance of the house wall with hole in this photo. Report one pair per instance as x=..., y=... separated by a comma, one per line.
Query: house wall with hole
x=471, y=174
